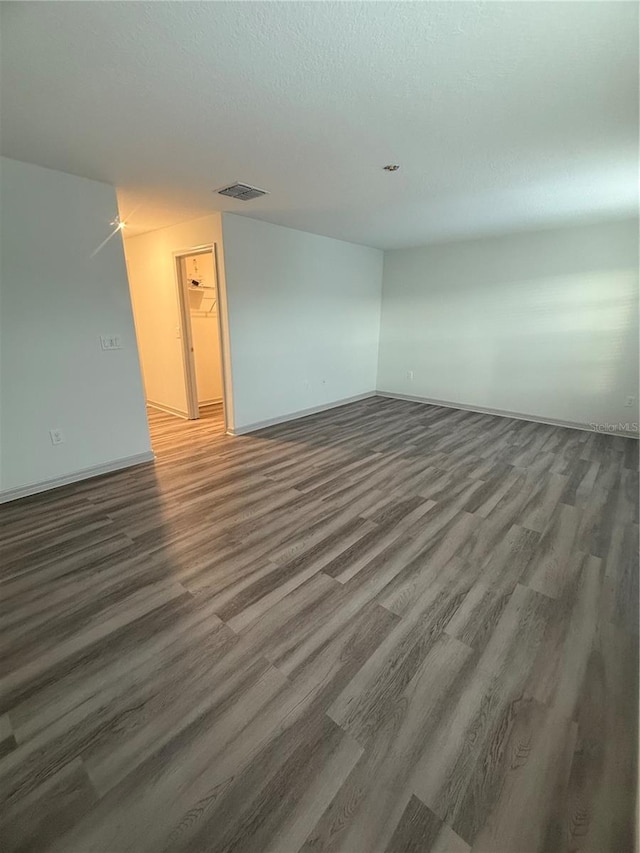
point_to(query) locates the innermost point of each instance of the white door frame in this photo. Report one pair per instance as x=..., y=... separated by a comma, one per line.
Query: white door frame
x=186, y=334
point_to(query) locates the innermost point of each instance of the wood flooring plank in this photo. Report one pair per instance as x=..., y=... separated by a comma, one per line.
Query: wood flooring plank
x=622, y=595
x=366, y=703
x=420, y=831
x=44, y=815
x=550, y=566
x=483, y=713
x=149, y=646
x=533, y=762
x=370, y=804
x=445, y=538
x=278, y=796
x=479, y=612
x=602, y=786
x=20, y=682
x=7, y=737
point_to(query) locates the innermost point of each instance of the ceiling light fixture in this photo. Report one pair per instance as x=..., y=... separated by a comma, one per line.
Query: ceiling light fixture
x=392, y=167
x=118, y=223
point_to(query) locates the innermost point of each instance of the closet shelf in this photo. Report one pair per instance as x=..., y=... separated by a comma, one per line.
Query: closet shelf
x=201, y=287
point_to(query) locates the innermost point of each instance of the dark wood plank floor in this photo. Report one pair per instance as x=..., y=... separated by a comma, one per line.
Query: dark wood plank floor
x=389, y=627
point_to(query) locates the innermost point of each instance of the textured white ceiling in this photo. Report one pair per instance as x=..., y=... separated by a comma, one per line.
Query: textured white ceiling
x=501, y=115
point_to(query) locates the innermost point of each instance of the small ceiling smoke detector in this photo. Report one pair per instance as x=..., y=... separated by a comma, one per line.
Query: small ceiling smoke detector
x=392, y=167
x=243, y=192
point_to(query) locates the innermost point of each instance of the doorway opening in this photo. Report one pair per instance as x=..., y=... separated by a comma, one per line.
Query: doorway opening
x=197, y=282
x=178, y=302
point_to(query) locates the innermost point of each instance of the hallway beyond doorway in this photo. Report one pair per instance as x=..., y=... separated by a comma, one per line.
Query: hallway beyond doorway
x=170, y=431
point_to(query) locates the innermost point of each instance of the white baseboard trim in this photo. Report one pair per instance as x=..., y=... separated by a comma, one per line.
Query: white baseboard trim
x=84, y=474
x=504, y=414
x=168, y=409
x=202, y=404
x=303, y=413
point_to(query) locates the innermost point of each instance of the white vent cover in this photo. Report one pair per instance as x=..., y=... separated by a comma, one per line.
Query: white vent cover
x=243, y=192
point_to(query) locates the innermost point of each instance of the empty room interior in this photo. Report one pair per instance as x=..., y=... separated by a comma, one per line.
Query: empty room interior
x=319, y=427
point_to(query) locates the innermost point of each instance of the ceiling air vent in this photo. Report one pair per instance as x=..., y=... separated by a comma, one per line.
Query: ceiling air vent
x=243, y=192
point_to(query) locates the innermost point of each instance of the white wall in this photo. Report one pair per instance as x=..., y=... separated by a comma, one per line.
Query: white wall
x=56, y=301
x=152, y=278
x=304, y=314
x=543, y=323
